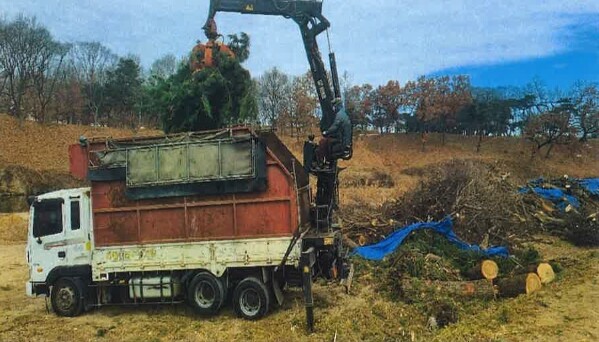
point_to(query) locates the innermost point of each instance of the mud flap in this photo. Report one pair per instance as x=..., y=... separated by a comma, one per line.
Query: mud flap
x=276, y=289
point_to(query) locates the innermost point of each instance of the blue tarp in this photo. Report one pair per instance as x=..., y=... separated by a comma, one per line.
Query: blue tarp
x=387, y=246
x=558, y=196
x=591, y=185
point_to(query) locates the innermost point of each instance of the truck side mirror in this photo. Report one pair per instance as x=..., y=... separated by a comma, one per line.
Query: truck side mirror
x=39, y=240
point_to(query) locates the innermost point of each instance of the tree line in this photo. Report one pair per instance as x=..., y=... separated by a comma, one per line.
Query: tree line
x=47, y=80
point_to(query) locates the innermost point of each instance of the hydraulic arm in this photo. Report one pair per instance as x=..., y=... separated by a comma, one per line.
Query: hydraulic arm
x=308, y=15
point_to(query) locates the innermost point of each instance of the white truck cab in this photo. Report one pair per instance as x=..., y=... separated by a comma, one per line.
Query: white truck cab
x=59, y=237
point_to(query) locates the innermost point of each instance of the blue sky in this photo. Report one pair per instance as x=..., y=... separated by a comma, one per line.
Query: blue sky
x=497, y=42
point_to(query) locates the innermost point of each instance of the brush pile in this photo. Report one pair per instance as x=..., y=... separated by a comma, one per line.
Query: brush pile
x=485, y=205
x=566, y=207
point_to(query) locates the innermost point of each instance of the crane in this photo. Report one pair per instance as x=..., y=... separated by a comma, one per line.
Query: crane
x=307, y=14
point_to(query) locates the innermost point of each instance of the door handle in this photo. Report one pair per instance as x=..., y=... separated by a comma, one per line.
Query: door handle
x=62, y=254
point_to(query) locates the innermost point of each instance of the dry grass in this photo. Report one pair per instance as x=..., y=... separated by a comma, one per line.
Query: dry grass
x=44, y=147
x=565, y=309
x=13, y=227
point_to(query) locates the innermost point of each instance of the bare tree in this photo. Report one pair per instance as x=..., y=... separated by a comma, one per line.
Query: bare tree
x=45, y=73
x=22, y=45
x=273, y=88
x=585, y=100
x=164, y=66
x=300, y=105
x=92, y=60
x=3, y=73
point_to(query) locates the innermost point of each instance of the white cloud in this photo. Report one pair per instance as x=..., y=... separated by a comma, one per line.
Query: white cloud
x=374, y=40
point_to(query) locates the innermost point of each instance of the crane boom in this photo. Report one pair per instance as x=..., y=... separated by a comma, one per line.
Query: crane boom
x=308, y=15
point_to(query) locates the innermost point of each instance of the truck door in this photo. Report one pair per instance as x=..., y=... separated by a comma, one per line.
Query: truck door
x=77, y=233
x=47, y=238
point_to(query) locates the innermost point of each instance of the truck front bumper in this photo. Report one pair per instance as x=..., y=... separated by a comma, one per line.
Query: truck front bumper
x=33, y=289
x=29, y=289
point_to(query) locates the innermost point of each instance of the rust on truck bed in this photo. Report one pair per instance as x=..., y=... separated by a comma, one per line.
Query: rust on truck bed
x=191, y=212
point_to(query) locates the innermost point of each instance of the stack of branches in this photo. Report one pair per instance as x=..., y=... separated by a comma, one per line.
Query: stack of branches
x=577, y=223
x=365, y=224
x=477, y=194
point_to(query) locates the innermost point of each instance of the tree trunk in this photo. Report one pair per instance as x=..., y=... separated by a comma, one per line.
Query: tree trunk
x=549, y=150
x=416, y=288
x=484, y=269
x=519, y=284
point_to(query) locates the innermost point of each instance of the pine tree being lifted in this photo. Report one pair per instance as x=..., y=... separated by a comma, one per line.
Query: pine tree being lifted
x=212, y=90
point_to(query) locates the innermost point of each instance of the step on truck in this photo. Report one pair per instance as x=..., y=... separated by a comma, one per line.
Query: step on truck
x=195, y=217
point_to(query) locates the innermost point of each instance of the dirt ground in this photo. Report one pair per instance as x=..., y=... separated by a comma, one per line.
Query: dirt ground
x=566, y=310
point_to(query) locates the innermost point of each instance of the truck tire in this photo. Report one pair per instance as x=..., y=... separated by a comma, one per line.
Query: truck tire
x=251, y=299
x=206, y=294
x=66, y=297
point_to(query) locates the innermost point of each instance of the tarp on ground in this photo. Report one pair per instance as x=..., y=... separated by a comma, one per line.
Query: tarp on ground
x=562, y=197
x=388, y=245
x=591, y=185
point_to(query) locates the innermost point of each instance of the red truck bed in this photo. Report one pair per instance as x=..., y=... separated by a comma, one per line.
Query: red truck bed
x=275, y=211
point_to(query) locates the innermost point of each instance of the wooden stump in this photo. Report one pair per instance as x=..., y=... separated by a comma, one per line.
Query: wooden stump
x=415, y=288
x=519, y=284
x=485, y=269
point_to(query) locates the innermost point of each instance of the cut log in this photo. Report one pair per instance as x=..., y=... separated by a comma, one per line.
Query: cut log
x=485, y=269
x=519, y=284
x=417, y=289
x=545, y=273
x=543, y=270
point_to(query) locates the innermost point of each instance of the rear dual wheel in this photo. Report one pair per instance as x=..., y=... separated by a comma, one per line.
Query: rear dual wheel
x=206, y=294
x=251, y=299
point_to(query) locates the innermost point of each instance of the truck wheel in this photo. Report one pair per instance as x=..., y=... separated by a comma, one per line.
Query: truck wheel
x=251, y=299
x=66, y=298
x=206, y=294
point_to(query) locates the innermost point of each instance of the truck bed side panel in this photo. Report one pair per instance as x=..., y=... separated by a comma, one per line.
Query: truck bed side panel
x=215, y=256
x=272, y=213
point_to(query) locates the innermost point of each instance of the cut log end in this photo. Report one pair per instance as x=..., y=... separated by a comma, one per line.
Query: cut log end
x=533, y=283
x=489, y=269
x=545, y=272
x=485, y=269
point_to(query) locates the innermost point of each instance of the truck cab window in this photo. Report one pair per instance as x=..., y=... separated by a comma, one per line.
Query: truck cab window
x=75, y=215
x=47, y=218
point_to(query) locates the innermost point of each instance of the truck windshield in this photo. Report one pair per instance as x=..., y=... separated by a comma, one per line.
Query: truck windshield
x=47, y=218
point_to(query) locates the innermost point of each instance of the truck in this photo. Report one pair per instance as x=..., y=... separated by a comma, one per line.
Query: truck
x=196, y=217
